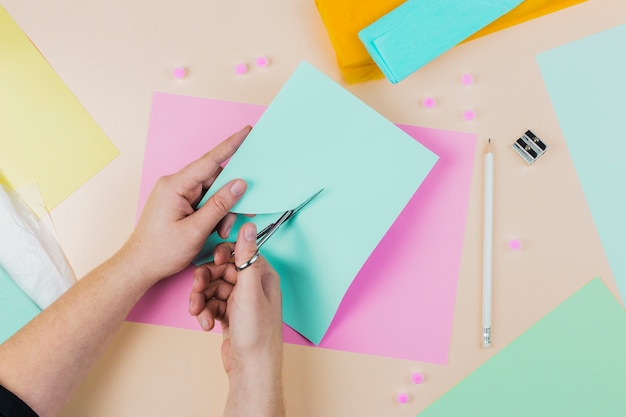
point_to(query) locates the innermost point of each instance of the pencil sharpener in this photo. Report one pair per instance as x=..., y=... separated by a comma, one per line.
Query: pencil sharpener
x=530, y=147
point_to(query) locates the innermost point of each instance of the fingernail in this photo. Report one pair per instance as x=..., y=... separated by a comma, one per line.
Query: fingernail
x=250, y=233
x=246, y=127
x=205, y=324
x=190, y=304
x=237, y=188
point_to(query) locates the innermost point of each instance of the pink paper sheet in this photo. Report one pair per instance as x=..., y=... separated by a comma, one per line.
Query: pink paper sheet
x=401, y=304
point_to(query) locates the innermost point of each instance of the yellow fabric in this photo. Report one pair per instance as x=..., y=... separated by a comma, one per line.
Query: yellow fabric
x=529, y=9
x=345, y=18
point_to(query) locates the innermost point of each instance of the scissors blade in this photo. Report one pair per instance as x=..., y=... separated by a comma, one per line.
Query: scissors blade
x=266, y=233
x=301, y=206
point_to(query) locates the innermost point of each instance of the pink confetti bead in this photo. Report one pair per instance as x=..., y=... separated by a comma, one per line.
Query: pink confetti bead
x=417, y=377
x=179, y=73
x=402, y=398
x=429, y=102
x=467, y=79
x=262, y=62
x=241, y=69
x=515, y=244
x=469, y=115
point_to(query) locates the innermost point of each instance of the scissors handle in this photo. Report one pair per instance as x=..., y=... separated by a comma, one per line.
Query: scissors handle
x=248, y=262
x=269, y=230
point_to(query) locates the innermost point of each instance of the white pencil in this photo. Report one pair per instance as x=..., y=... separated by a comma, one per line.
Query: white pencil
x=487, y=244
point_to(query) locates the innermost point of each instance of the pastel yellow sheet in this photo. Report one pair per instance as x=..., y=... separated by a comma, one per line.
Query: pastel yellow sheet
x=46, y=135
x=345, y=18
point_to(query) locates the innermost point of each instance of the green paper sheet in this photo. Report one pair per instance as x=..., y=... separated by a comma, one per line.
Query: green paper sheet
x=315, y=134
x=571, y=363
x=585, y=80
x=16, y=309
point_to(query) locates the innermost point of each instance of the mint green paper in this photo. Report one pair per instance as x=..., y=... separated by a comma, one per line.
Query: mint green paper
x=16, y=308
x=586, y=83
x=418, y=31
x=315, y=134
x=571, y=363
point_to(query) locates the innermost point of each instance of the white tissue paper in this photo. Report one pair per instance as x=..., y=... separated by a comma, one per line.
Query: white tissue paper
x=29, y=252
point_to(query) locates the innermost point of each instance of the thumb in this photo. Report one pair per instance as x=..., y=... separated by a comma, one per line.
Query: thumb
x=246, y=250
x=207, y=217
x=246, y=257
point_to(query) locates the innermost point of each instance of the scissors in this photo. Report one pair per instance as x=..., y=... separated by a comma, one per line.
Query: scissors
x=264, y=235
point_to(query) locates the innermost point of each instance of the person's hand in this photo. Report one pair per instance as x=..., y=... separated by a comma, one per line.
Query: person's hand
x=249, y=306
x=246, y=302
x=171, y=232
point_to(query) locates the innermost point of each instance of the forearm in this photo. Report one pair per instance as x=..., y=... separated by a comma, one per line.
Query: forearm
x=255, y=392
x=47, y=359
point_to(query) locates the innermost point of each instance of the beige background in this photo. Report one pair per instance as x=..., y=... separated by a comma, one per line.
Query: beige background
x=114, y=54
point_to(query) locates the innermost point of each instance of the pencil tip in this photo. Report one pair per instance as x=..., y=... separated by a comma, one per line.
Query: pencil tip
x=489, y=140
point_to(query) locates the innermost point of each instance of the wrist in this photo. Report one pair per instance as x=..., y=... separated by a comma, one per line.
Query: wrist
x=147, y=260
x=134, y=270
x=269, y=369
x=255, y=390
x=260, y=358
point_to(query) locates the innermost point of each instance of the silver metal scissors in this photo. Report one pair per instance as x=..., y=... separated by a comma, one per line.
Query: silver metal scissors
x=268, y=231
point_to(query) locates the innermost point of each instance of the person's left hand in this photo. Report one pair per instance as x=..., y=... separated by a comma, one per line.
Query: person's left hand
x=171, y=232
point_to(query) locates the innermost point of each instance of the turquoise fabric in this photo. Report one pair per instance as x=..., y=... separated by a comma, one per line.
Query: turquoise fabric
x=418, y=31
x=16, y=308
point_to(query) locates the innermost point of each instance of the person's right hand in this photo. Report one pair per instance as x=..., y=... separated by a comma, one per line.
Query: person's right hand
x=247, y=303
x=249, y=306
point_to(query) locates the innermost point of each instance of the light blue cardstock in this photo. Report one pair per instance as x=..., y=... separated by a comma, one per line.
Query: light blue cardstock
x=315, y=134
x=585, y=81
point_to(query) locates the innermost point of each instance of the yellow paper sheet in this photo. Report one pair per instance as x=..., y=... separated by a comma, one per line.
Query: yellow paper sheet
x=345, y=18
x=46, y=135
